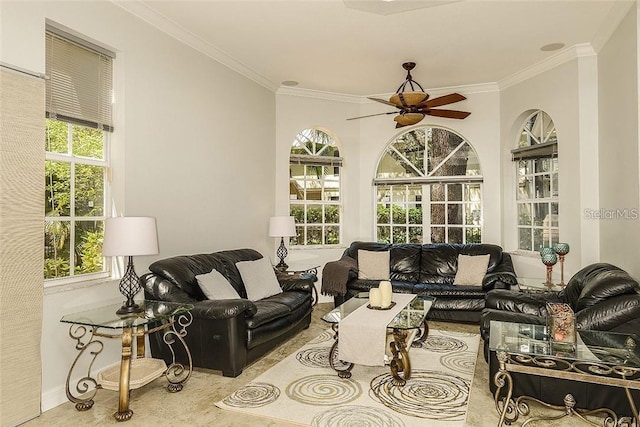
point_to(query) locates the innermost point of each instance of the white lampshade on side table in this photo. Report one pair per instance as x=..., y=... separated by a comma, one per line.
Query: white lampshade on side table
x=282, y=226
x=130, y=236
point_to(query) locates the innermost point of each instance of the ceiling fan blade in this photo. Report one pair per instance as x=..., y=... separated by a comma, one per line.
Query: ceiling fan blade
x=384, y=101
x=442, y=100
x=450, y=114
x=372, y=115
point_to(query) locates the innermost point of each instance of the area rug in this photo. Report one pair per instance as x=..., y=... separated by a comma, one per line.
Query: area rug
x=303, y=388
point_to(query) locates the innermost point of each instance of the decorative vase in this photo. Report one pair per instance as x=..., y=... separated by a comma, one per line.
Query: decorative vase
x=561, y=249
x=549, y=259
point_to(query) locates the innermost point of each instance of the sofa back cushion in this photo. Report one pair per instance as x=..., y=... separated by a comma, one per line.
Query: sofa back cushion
x=404, y=259
x=182, y=270
x=439, y=261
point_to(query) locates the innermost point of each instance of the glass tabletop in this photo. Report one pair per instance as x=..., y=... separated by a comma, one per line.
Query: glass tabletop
x=536, y=285
x=591, y=346
x=106, y=317
x=410, y=317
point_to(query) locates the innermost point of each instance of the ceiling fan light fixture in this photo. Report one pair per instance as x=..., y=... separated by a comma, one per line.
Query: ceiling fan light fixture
x=408, y=119
x=408, y=99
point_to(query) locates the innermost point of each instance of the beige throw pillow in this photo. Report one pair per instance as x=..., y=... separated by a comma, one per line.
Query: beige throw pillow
x=373, y=265
x=215, y=286
x=471, y=269
x=259, y=279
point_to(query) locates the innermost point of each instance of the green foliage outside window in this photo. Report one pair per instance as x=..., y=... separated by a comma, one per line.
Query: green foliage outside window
x=72, y=144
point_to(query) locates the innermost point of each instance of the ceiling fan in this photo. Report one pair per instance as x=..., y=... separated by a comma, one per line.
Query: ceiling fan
x=413, y=105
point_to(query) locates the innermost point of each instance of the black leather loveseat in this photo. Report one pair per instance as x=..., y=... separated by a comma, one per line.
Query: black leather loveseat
x=603, y=298
x=430, y=269
x=227, y=334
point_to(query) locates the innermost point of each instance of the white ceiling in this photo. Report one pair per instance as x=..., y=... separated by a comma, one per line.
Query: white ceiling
x=335, y=46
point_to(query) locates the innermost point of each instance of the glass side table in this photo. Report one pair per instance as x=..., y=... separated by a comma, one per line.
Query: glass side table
x=90, y=326
x=536, y=285
x=599, y=357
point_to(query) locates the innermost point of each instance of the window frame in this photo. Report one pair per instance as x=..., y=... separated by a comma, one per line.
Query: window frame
x=425, y=180
x=529, y=162
x=315, y=158
x=74, y=117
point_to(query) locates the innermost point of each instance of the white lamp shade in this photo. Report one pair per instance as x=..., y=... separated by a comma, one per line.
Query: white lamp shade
x=282, y=226
x=130, y=236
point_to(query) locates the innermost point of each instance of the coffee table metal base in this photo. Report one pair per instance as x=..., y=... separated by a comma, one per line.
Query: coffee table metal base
x=400, y=364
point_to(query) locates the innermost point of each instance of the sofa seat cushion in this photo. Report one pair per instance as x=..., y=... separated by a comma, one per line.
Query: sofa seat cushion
x=443, y=290
x=457, y=304
x=276, y=307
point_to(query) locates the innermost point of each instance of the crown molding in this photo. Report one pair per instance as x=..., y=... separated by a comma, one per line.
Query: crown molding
x=565, y=55
x=617, y=13
x=318, y=94
x=171, y=28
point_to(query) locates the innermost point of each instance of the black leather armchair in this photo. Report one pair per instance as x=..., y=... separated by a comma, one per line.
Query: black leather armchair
x=227, y=335
x=603, y=298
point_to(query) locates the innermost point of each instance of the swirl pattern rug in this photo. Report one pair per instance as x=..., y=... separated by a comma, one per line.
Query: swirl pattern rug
x=304, y=389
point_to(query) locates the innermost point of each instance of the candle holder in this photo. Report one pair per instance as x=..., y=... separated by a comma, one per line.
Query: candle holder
x=549, y=259
x=561, y=249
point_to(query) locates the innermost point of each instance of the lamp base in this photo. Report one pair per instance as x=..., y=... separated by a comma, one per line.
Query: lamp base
x=127, y=309
x=129, y=287
x=281, y=266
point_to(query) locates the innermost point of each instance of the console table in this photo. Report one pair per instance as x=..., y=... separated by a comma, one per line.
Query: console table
x=599, y=357
x=89, y=326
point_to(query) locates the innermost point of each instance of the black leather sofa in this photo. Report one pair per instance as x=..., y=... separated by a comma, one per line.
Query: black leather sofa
x=603, y=298
x=430, y=270
x=227, y=335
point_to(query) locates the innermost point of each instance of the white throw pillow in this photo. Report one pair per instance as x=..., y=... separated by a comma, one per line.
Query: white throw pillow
x=259, y=279
x=471, y=269
x=373, y=265
x=215, y=286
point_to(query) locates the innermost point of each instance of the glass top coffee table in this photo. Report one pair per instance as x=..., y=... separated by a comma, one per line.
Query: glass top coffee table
x=598, y=357
x=408, y=328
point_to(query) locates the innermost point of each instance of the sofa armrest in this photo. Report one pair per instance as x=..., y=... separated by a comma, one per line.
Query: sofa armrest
x=224, y=309
x=520, y=302
x=296, y=282
x=611, y=314
x=502, y=277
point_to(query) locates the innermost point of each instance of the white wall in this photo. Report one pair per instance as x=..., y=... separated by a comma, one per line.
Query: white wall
x=557, y=91
x=182, y=151
x=619, y=174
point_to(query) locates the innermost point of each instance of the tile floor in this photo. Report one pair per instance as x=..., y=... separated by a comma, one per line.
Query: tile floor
x=194, y=405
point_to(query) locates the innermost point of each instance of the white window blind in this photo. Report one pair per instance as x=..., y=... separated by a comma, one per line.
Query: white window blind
x=79, y=86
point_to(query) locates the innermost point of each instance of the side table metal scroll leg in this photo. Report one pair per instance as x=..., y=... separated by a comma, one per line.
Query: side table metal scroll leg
x=177, y=374
x=506, y=406
x=86, y=387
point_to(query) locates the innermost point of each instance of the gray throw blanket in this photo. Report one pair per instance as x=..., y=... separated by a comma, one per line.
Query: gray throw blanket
x=335, y=276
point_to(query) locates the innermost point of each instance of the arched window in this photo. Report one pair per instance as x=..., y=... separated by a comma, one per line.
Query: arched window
x=314, y=188
x=429, y=189
x=537, y=182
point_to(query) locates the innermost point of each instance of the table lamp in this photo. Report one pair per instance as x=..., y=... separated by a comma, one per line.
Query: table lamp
x=282, y=226
x=130, y=236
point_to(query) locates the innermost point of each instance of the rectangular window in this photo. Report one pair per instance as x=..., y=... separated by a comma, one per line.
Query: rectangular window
x=314, y=193
x=452, y=213
x=78, y=126
x=537, y=203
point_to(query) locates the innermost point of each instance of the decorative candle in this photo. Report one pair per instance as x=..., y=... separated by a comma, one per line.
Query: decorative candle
x=385, y=294
x=374, y=297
